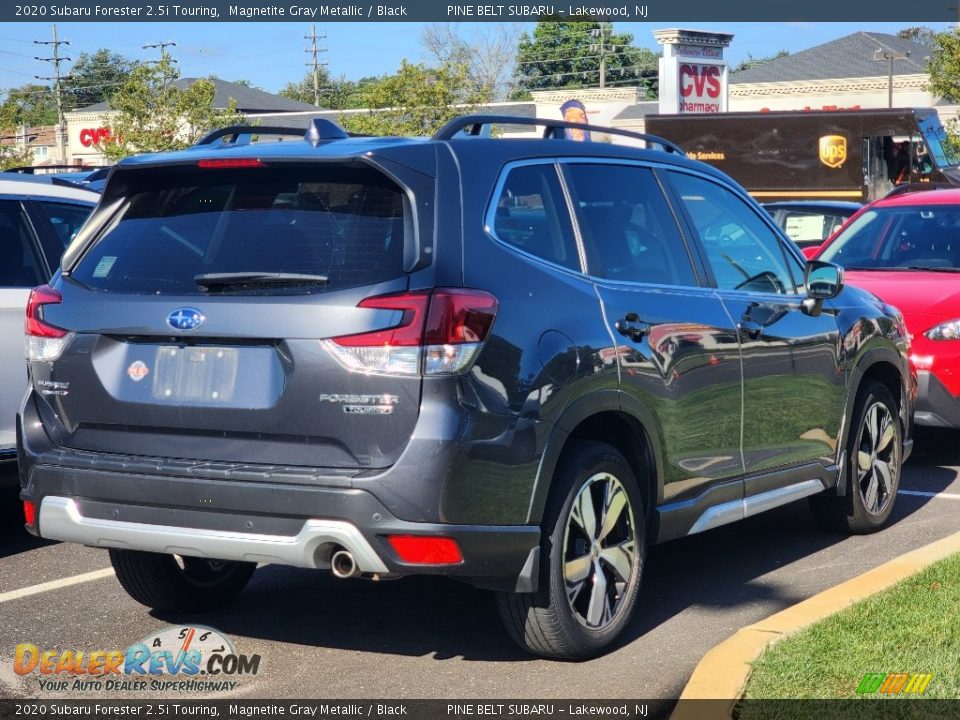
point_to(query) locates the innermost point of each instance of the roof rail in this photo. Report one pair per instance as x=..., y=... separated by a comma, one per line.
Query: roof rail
x=473, y=125
x=238, y=132
x=318, y=130
x=919, y=187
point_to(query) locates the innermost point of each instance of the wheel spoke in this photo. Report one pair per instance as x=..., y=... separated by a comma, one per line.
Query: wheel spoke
x=873, y=428
x=576, y=571
x=614, y=504
x=863, y=461
x=583, y=513
x=886, y=433
x=870, y=494
x=620, y=558
x=885, y=476
x=598, y=612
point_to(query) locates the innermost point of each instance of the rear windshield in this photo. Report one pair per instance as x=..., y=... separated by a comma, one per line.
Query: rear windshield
x=343, y=223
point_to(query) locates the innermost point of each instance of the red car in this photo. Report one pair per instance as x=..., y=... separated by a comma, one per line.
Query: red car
x=905, y=249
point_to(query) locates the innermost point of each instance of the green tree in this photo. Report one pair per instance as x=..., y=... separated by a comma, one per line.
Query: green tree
x=94, y=77
x=943, y=66
x=918, y=33
x=153, y=115
x=12, y=156
x=416, y=100
x=751, y=61
x=335, y=94
x=28, y=105
x=570, y=55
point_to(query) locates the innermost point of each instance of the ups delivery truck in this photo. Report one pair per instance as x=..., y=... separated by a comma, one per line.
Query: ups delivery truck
x=841, y=155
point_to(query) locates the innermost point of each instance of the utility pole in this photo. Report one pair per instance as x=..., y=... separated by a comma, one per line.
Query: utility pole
x=313, y=51
x=57, y=89
x=890, y=56
x=601, y=49
x=162, y=47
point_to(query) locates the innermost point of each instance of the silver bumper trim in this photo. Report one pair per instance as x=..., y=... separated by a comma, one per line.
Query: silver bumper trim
x=60, y=519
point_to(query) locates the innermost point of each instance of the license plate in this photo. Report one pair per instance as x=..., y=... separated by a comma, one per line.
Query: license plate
x=195, y=374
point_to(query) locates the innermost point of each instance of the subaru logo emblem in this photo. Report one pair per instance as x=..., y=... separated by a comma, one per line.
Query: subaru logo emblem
x=185, y=319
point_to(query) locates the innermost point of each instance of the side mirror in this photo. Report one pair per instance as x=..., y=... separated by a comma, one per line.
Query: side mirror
x=823, y=281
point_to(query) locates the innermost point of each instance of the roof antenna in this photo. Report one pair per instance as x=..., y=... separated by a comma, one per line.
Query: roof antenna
x=322, y=129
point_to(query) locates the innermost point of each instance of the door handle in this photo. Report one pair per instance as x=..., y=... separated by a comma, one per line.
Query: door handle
x=632, y=327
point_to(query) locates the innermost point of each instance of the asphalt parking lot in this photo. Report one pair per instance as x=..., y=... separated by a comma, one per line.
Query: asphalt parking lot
x=422, y=638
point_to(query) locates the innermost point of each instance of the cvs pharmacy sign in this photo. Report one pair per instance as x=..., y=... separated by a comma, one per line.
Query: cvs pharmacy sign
x=701, y=88
x=93, y=136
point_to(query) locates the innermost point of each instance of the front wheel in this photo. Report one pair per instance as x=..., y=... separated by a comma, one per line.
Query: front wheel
x=592, y=559
x=874, y=458
x=172, y=583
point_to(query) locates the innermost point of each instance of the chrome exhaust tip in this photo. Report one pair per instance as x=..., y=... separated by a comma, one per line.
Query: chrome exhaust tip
x=343, y=565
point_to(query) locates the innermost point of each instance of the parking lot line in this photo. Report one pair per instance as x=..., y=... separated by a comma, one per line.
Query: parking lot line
x=55, y=584
x=948, y=496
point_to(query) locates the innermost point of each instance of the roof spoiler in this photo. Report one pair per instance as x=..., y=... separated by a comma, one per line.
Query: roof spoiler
x=319, y=130
x=473, y=126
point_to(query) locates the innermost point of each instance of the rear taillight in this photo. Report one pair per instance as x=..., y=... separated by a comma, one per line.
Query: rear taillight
x=44, y=341
x=439, y=333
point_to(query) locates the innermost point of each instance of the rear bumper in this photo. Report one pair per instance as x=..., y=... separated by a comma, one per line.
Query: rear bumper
x=936, y=407
x=263, y=522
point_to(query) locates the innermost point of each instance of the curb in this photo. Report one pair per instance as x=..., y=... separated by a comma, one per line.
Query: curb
x=722, y=673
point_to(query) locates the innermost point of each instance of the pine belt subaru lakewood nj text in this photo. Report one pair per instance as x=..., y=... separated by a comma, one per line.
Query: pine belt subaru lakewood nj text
x=516, y=362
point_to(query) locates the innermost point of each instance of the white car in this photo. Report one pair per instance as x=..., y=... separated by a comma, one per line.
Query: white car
x=38, y=218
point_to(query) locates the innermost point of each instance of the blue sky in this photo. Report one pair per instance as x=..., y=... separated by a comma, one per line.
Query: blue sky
x=270, y=54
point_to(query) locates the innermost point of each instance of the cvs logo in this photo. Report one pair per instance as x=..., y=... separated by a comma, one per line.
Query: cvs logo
x=698, y=80
x=92, y=136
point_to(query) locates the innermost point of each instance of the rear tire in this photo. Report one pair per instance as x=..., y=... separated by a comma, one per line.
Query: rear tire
x=191, y=585
x=874, y=457
x=593, y=548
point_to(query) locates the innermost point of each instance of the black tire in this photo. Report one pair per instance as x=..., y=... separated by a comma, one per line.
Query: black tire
x=546, y=623
x=160, y=582
x=856, y=511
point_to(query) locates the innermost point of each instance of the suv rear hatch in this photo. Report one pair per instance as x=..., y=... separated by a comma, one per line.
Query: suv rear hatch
x=224, y=313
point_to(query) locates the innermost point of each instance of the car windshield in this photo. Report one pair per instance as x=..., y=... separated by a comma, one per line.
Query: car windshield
x=919, y=237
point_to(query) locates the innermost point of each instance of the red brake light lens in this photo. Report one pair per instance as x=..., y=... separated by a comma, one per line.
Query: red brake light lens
x=34, y=324
x=407, y=334
x=211, y=163
x=29, y=513
x=423, y=550
x=459, y=316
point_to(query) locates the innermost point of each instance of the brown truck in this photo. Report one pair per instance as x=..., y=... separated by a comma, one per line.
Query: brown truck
x=840, y=155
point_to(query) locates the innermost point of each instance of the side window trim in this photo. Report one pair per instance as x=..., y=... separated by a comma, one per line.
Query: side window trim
x=765, y=219
x=696, y=262
x=489, y=219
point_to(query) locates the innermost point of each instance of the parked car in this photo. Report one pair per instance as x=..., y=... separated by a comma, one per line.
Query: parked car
x=809, y=222
x=37, y=220
x=906, y=250
x=511, y=362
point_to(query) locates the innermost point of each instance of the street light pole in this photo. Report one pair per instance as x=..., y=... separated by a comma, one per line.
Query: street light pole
x=890, y=56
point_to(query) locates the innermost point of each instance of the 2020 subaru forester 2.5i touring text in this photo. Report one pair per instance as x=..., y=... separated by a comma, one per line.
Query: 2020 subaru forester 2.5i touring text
x=516, y=362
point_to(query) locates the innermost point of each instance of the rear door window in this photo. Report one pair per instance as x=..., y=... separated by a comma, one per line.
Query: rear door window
x=531, y=214
x=20, y=263
x=65, y=219
x=346, y=224
x=629, y=232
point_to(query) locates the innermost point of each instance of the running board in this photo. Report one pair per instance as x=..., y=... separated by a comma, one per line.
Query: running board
x=734, y=510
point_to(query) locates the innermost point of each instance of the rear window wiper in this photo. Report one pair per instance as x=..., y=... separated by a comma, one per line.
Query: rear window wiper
x=236, y=279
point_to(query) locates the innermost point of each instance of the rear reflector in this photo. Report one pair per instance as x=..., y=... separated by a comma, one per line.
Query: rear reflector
x=29, y=513
x=422, y=550
x=44, y=341
x=438, y=333
x=211, y=163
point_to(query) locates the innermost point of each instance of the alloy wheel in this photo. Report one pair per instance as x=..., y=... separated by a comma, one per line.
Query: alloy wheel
x=600, y=551
x=876, y=459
